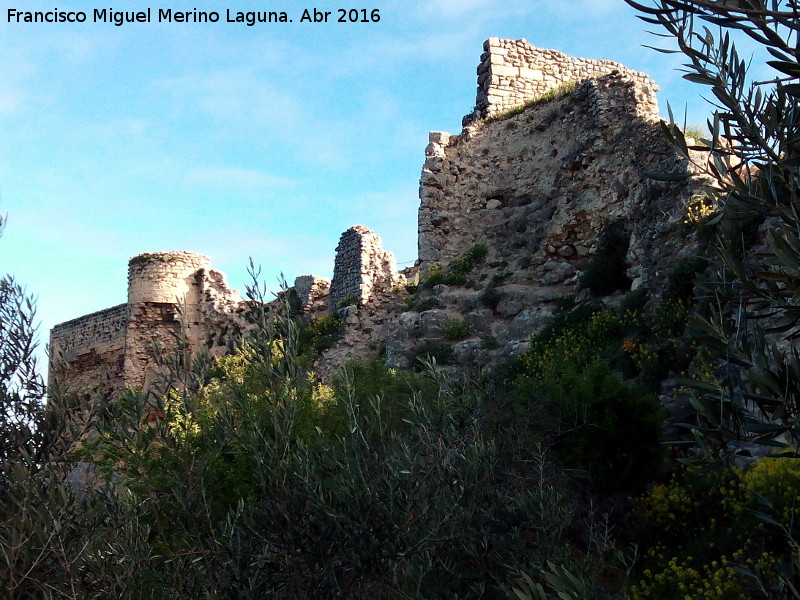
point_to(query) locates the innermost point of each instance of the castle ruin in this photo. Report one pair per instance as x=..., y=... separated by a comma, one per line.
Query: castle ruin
x=535, y=185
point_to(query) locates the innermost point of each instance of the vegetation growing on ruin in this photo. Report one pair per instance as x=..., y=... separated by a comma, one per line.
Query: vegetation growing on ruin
x=560, y=91
x=606, y=272
x=456, y=272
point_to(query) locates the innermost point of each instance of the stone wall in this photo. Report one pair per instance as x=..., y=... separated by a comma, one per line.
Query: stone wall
x=95, y=345
x=362, y=269
x=513, y=72
x=108, y=351
x=542, y=182
x=309, y=290
x=163, y=294
x=163, y=276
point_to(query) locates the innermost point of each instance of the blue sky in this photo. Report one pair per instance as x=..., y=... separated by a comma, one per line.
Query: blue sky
x=237, y=142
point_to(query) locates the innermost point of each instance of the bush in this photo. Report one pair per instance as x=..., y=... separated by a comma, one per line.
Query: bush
x=427, y=304
x=634, y=301
x=457, y=329
x=606, y=272
x=349, y=300
x=702, y=533
x=597, y=423
x=457, y=271
x=681, y=278
x=441, y=352
x=320, y=335
x=247, y=491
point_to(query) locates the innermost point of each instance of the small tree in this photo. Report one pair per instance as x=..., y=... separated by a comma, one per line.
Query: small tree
x=23, y=436
x=751, y=163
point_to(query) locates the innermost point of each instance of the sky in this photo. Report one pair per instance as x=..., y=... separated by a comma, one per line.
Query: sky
x=262, y=142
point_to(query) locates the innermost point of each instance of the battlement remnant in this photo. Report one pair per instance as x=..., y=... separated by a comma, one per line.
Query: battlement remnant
x=362, y=267
x=163, y=276
x=513, y=72
x=310, y=289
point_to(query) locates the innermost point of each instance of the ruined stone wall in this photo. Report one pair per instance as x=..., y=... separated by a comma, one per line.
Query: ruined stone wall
x=541, y=182
x=116, y=348
x=95, y=344
x=163, y=276
x=309, y=290
x=512, y=72
x=537, y=187
x=362, y=268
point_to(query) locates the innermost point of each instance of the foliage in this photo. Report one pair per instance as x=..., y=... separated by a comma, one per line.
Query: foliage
x=23, y=429
x=702, y=531
x=681, y=278
x=635, y=300
x=752, y=162
x=320, y=335
x=490, y=296
x=46, y=532
x=440, y=352
x=348, y=300
x=596, y=423
x=696, y=131
x=457, y=271
x=457, y=329
x=606, y=272
x=420, y=304
x=700, y=212
x=560, y=91
x=250, y=488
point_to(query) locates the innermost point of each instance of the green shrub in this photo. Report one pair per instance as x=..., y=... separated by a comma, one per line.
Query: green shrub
x=320, y=335
x=634, y=301
x=441, y=352
x=596, y=423
x=606, y=272
x=681, y=278
x=490, y=296
x=490, y=342
x=348, y=300
x=457, y=271
x=457, y=329
x=705, y=527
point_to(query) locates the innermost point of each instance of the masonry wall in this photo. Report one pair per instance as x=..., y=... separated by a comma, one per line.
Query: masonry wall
x=94, y=344
x=511, y=72
x=539, y=186
x=362, y=268
x=116, y=348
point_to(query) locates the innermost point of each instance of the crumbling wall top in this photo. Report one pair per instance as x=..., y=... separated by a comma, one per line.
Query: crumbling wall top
x=512, y=72
x=163, y=276
x=362, y=268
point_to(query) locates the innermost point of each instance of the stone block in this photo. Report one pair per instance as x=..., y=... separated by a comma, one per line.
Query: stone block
x=501, y=70
x=533, y=74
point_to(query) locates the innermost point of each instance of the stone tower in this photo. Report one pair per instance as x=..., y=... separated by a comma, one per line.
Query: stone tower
x=362, y=267
x=164, y=290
